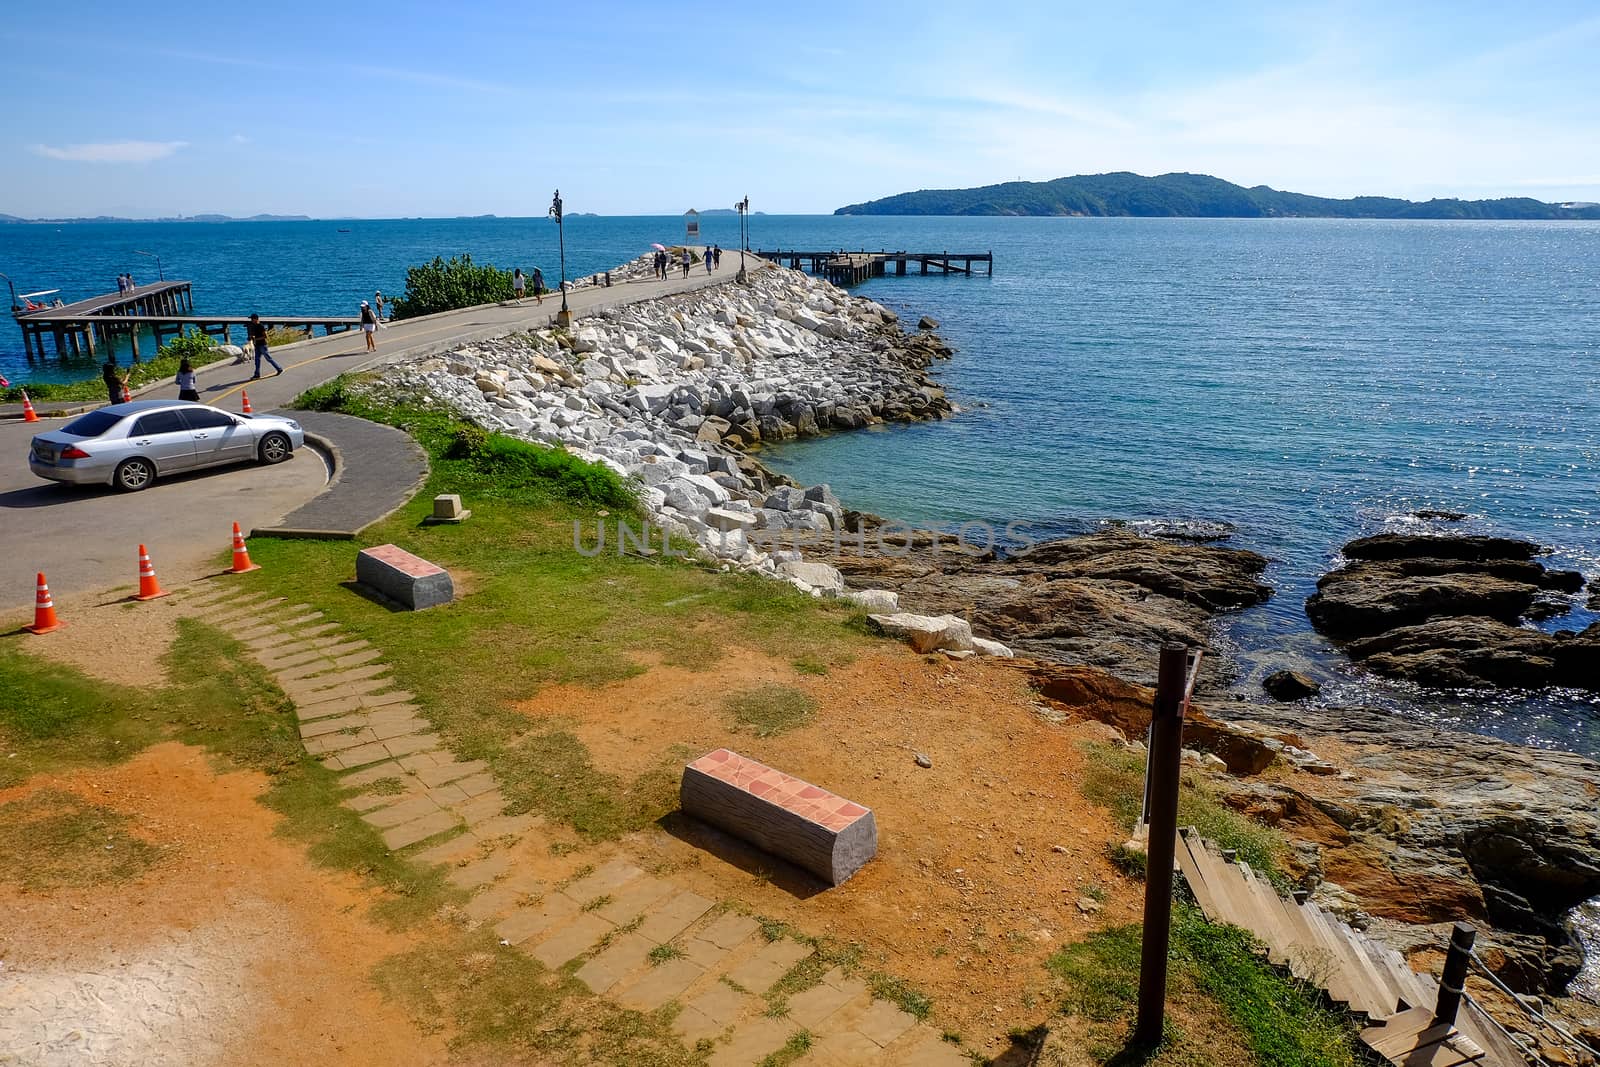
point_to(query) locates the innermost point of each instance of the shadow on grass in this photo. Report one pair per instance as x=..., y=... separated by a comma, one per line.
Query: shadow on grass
x=366, y=592
x=780, y=873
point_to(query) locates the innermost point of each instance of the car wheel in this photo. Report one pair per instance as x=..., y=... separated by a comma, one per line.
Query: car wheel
x=133, y=475
x=275, y=448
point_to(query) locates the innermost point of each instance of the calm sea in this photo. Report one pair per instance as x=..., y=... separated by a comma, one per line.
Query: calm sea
x=1304, y=381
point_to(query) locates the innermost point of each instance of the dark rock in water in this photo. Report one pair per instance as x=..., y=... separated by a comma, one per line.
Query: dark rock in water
x=1562, y=581
x=1423, y=546
x=1461, y=653
x=1547, y=606
x=1367, y=598
x=1435, y=515
x=1290, y=685
x=1443, y=611
x=927, y=323
x=1108, y=600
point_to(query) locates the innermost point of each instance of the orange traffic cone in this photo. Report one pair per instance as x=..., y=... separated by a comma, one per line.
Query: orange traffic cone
x=241, y=555
x=126, y=396
x=149, y=588
x=28, y=414
x=247, y=409
x=44, y=610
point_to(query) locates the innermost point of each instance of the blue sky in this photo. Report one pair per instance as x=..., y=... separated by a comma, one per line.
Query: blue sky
x=643, y=108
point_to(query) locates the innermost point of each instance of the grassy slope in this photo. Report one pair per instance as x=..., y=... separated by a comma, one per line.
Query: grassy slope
x=535, y=613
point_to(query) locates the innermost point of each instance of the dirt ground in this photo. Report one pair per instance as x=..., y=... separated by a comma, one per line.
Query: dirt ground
x=232, y=948
x=988, y=861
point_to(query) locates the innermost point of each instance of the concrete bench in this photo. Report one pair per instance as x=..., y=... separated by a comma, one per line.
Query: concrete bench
x=805, y=824
x=404, y=578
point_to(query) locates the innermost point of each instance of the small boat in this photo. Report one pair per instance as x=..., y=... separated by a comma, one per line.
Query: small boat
x=344, y=231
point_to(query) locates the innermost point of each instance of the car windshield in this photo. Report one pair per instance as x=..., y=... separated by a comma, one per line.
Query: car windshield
x=91, y=425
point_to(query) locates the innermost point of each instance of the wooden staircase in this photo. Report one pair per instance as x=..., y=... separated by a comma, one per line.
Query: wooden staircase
x=1371, y=979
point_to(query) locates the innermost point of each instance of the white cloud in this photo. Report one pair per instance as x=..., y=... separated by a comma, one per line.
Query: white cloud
x=112, y=151
x=239, y=138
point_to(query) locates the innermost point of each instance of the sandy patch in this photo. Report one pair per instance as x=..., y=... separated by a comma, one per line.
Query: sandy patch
x=982, y=860
x=115, y=639
x=232, y=950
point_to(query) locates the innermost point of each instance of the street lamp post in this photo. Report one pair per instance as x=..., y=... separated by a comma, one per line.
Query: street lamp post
x=15, y=307
x=152, y=255
x=564, y=317
x=743, y=207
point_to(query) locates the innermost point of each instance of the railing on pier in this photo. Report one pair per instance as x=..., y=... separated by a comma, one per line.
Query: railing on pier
x=850, y=268
x=166, y=309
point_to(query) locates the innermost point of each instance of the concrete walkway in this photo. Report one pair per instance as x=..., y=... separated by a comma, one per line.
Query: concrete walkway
x=312, y=362
x=376, y=469
x=640, y=940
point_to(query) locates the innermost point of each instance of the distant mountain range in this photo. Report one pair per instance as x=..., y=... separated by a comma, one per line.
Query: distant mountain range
x=181, y=218
x=1195, y=196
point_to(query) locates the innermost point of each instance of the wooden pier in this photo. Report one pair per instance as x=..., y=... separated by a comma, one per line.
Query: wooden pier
x=166, y=309
x=851, y=268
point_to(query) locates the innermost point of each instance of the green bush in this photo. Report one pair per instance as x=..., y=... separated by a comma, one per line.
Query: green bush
x=524, y=463
x=445, y=286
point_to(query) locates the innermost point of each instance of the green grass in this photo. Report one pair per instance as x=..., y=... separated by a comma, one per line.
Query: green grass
x=537, y=613
x=53, y=718
x=54, y=838
x=1216, y=970
x=662, y=953
x=900, y=993
x=770, y=709
x=797, y=1045
x=1114, y=778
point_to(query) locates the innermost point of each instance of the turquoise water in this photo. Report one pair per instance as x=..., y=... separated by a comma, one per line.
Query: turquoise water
x=1305, y=381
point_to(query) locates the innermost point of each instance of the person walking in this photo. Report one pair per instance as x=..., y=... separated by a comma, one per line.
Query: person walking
x=257, y=332
x=122, y=284
x=518, y=283
x=687, y=259
x=538, y=285
x=187, y=386
x=707, y=254
x=369, y=326
x=377, y=302
x=716, y=255
x=114, y=379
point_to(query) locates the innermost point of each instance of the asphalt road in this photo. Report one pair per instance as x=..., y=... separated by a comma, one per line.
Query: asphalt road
x=86, y=538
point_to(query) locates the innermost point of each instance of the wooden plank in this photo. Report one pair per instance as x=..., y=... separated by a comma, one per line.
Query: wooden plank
x=1335, y=980
x=1453, y=1051
x=1306, y=957
x=1398, y=1029
x=1383, y=997
x=1195, y=877
x=1274, y=931
x=1226, y=886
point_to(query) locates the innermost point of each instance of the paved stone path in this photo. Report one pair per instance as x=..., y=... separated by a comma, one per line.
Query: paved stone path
x=643, y=941
x=377, y=469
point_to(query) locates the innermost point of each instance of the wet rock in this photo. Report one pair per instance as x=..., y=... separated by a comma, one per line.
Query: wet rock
x=1436, y=515
x=1290, y=685
x=1108, y=600
x=1444, y=612
x=927, y=323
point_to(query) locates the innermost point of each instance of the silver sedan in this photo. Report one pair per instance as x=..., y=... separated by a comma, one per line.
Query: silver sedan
x=130, y=445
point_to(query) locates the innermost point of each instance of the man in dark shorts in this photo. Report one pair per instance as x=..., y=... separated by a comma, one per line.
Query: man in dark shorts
x=538, y=285
x=113, y=379
x=258, y=340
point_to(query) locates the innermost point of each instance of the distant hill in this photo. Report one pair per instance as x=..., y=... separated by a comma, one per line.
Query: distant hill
x=730, y=211
x=1193, y=196
x=181, y=218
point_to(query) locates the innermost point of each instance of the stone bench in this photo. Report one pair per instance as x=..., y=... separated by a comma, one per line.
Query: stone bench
x=404, y=578
x=805, y=824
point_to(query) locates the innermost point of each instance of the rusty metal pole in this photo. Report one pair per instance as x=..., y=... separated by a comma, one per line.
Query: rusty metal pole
x=1165, y=757
x=1455, y=974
